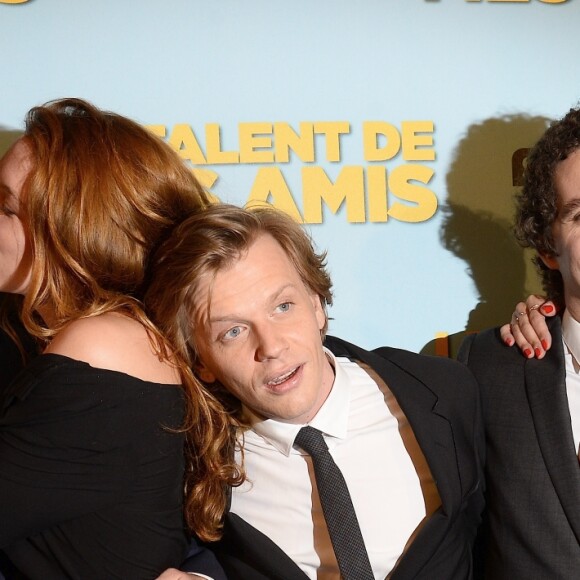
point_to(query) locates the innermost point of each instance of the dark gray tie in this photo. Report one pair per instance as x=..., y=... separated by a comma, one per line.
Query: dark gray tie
x=341, y=520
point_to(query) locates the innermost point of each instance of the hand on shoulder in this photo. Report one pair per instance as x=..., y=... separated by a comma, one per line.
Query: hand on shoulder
x=528, y=329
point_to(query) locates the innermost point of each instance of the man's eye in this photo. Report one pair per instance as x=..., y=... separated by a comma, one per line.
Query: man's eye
x=232, y=333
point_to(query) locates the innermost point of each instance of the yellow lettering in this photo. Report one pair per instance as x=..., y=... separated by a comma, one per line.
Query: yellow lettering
x=417, y=137
x=183, y=140
x=424, y=200
x=213, y=147
x=286, y=138
x=270, y=183
x=158, y=130
x=372, y=130
x=377, y=193
x=206, y=177
x=332, y=130
x=317, y=187
x=255, y=136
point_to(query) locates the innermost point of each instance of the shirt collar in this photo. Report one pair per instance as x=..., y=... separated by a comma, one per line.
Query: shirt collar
x=571, y=337
x=331, y=419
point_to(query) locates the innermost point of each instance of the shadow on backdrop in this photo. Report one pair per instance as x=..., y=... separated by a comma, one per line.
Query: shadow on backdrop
x=483, y=178
x=7, y=138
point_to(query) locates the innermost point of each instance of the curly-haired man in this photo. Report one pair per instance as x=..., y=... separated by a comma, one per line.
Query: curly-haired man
x=532, y=407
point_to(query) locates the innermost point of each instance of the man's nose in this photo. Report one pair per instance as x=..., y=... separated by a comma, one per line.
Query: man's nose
x=270, y=342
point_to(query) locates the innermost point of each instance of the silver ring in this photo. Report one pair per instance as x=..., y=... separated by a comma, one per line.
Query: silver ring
x=535, y=307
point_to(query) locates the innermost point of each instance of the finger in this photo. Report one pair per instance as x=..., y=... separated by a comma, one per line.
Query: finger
x=548, y=308
x=519, y=338
x=506, y=335
x=519, y=328
x=533, y=329
x=534, y=301
x=538, y=308
x=537, y=322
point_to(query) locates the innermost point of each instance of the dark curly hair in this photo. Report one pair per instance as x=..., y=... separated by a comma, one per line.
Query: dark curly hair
x=537, y=206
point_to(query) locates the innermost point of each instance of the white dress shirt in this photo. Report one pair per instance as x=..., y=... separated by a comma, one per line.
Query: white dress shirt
x=571, y=338
x=371, y=442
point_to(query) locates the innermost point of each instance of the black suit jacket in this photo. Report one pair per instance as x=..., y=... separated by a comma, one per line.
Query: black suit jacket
x=440, y=400
x=532, y=520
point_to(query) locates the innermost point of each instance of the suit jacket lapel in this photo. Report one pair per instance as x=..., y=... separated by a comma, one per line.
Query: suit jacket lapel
x=245, y=553
x=428, y=419
x=431, y=427
x=546, y=389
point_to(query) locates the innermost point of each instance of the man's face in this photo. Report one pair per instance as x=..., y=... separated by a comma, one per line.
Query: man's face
x=566, y=230
x=262, y=337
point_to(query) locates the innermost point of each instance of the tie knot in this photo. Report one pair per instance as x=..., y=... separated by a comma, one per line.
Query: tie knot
x=311, y=440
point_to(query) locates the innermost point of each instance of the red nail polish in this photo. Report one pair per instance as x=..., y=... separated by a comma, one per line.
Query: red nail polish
x=528, y=352
x=545, y=344
x=538, y=352
x=548, y=308
x=509, y=341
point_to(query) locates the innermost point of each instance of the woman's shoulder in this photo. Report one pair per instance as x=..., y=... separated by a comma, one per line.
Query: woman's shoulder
x=56, y=392
x=113, y=342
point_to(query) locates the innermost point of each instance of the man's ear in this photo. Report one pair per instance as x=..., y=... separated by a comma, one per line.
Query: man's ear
x=204, y=374
x=550, y=261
